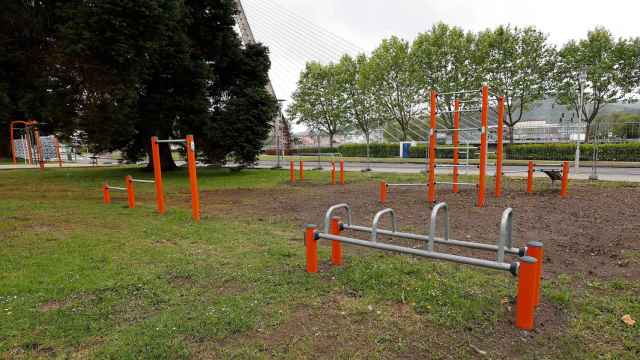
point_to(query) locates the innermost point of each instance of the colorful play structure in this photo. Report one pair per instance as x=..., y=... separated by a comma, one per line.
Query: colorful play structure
x=527, y=267
x=27, y=144
x=157, y=171
x=459, y=107
x=292, y=172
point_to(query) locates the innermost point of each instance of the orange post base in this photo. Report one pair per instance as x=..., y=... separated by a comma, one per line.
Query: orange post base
x=312, y=248
x=525, y=301
x=336, y=246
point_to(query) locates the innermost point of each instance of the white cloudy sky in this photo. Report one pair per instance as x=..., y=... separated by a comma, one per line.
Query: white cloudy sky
x=365, y=22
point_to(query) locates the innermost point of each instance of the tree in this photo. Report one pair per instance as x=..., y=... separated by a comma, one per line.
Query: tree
x=622, y=125
x=446, y=58
x=518, y=64
x=318, y=102
x=356, y=87
x=611, y=75
x=397, y=91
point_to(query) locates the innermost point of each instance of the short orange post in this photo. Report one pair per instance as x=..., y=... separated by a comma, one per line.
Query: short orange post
x=565, y=179
x=499, y=146
x=292, y=172
x=193, y=177
x=336, y=246
x=483, y=145
x=530, y=171
x=536, y=251
x=333, y=173
x=131, y=196
x=301, y=170
x=105, y=194
x=525, y=302
x=58, y=151
x=432, y=148
x=383, y=192
x=341, y=172
x=456, y=143
x=312, y=248
x=157, y=172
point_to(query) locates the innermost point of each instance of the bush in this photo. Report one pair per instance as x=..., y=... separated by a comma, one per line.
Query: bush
x=606, y=152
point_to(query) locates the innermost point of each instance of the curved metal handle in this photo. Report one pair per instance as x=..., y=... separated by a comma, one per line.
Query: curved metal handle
x=327, y=216
x=434, y=220
x=505, y=233
x=376, y=219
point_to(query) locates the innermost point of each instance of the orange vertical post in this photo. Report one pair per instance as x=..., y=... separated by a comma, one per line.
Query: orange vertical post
x=530, y=171
x=39, y=150
x=193, y=177
x=13, y=144
x=58, y=151
x=157, y=172
x=483, y=146
x=336, y=246
x=312, y=248
x=535, y=250
x=292, y=172
x=525, y=302
x=131, y=196
x=383, y=192
x=105, y=194
x=341, y=172
x=333, y=173
x=565, y=179
x=456, y=143
x=499, y=146
x=301, y=170
x=432, y=148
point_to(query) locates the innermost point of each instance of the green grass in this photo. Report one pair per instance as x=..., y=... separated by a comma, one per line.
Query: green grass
x=80, y=279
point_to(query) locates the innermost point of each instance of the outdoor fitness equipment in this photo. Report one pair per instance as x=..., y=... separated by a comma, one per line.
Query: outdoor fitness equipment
x=553, y=171
x=292, y=172
x=131, y=195
x=191, y=165
x=527, y=268
x=30, y=146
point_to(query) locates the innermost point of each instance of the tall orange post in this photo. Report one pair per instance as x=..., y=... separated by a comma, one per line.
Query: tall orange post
x=535, y=250
x=292, y=172
x=565, y=179
x=336, y=246
x=483, y=146
x=58, y=151
x=312, y=248
x=341, y=172
x=106, y=197
x=525, y=301
x=301, y=170
x=432, y=148
x=499, y=146
x=131, y=195
x=530, y=170
x=193, y=177
x=157, y=173
x=456, y=143
x=40, y=150
x=383, y=192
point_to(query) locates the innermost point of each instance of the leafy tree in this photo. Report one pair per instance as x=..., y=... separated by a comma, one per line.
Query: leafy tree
x=318, y=102
x=611, y=75
x=623, y=125
x=518, y=64
x=397, y=90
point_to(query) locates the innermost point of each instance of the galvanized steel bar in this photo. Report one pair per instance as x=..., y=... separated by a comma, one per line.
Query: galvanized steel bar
x=458, y=183
x=116, y=188
x=434, y=221
x=171, y=141
x=376, y=219
x=143, y=181
x=505, y=233
x=329, y=214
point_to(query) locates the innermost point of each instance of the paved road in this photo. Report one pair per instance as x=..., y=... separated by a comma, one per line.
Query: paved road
x=604, y=173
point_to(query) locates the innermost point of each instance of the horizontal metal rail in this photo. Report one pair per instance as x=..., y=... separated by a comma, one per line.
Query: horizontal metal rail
x=406, y=185
x=116, y=188
x=510, y=267
x=143, y=181
x=460, y=111
x=171, y=141
x=547, y=165
x=456, y=183
x=455, y=165
x=437, y=240
x=459, y=92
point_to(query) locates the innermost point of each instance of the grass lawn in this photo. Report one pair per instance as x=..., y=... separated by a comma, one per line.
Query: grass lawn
x=79, y=279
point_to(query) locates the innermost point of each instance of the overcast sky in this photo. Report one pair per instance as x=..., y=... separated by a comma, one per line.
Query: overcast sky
x=365, y=22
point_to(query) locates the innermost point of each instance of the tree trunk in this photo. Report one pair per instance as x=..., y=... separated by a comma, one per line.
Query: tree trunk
x=331, y=141
x=587, y=133
x=166, y=160
x=511, y=139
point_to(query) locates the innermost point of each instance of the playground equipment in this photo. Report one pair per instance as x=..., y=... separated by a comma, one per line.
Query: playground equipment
x=106, y=194
x=31, y=146
x=555, y=172
x=131, y=194
x=527, y=268
x=191, y=165
x=292, y=172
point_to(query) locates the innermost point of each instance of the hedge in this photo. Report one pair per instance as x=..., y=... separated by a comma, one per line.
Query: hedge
x=607, y=152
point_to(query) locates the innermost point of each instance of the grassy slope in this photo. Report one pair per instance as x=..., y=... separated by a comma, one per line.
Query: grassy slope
x=81, y=279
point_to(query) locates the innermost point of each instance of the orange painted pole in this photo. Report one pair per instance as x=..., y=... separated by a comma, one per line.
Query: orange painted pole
x=336, y=246
x=530, y=171
x=341, y=172
x=193, y=178
x=432, y=148
x=383, y=192
x=58, y=151
x=131, y=196
x=292, y=172
x=535, y=250
x=565, y=179
x=301, y=171
x=312, y=248
x=483, y=146
x=157, y=173
x=333, y=173
x=13, y=144
x=456, y=143
x=499, y=146
x=105, y=194
x=40, y=150
x=525, y=302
